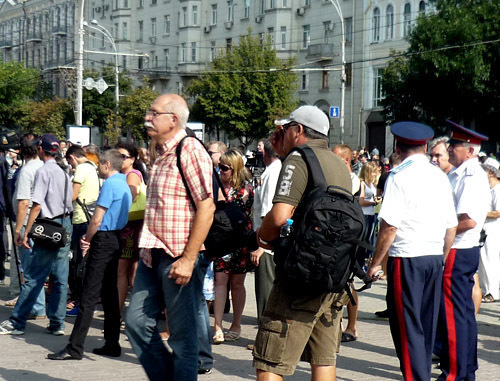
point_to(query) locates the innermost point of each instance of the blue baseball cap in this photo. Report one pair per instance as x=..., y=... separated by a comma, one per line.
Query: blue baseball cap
x=412, y=133
x=49, y=143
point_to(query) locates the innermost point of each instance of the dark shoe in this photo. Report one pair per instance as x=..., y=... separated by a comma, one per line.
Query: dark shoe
x=204, y=371
x=61, y=355
x=108, y=351
x=347, y=337
x=383, y=314
x=37, y=317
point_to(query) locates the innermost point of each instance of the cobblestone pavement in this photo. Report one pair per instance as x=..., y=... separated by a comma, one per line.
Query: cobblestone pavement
x=371, y=357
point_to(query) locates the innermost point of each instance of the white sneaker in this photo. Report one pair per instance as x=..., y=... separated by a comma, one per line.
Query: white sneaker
x=7, y=328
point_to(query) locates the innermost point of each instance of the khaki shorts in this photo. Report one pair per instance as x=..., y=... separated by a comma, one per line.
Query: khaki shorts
x=298, y=328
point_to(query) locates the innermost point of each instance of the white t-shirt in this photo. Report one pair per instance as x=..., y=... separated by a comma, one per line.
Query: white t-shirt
x=356, y=183
x=492, y=225
x=263, y=194
x=472, y=196
x=418, y=201
x=370, y=192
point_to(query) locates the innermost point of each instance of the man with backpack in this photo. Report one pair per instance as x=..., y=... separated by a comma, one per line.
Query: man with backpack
x=299, y=323
x=417, y=227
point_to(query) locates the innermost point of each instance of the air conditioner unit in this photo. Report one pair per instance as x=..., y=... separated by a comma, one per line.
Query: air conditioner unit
x=258, y=19
x=228, y=24
x=207, y=29
x=301, y=11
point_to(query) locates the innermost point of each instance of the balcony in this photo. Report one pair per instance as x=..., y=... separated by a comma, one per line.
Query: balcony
x=320, y=52
x=54, y=64
x=6, y=43
x=157, y=73
x=34, y=37
x=60, y=30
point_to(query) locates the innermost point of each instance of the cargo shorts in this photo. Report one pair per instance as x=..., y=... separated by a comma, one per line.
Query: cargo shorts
x=293, y=329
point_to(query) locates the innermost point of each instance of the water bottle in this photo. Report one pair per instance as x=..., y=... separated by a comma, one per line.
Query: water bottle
x=285, y=232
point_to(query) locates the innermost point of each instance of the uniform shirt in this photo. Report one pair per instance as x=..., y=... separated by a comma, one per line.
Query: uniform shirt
x=419, y=203
x=169, y=213
x=263, y=201
x=492, y=225
x=471, y=193
x=48, y=190
x=25, y=183
x=86, y=176
x=116, y=198
x=294, y=175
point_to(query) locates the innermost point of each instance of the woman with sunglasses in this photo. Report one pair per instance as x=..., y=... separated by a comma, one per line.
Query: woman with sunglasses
x=130, y=234
x=233, y=267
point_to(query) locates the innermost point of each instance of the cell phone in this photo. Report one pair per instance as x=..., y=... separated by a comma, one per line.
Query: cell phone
x=378, y=274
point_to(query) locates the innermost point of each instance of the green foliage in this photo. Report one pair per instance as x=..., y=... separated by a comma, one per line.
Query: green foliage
x=113, y=129
x=133, y=108
x=451, y=69
x=47, y=116
x=17, y=85
x=243, y=90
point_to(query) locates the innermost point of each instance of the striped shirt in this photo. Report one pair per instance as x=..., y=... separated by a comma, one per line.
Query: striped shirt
x=169, y=213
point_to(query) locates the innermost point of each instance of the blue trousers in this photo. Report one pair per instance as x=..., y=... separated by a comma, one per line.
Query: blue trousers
x=154, y=291
x=457, y=321
x=45, y=261
x=414, y=289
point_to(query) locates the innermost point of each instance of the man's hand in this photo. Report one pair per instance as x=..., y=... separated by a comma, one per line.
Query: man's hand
x=255, y=256
x=276, y=139
x=182, y=270
x=18, y=240
x=84, y=245
x=25, y=242
x=373, y=270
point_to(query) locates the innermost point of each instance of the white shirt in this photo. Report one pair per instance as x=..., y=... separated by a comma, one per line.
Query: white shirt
x=370, y=192
x=472, y=196
x=418, y=201
x=492, y=225
x=263, y=195
x=356, y=183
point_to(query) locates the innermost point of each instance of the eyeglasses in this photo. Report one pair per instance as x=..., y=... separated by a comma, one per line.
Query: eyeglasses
x=211, y=153
x=155, y=113
x=287, y=126
x=125, y=157
x=224, y=168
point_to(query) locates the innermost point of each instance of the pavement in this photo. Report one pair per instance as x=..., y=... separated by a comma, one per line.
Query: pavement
x=371, y=357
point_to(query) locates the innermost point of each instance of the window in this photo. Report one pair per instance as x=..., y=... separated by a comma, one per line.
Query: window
x=193, y=52
x=141, y=3
x=376, y=25
x=389, y=23
x=421, y=8
x=247, y=9
x=195, y=15
x=92, y=40
x=229, y=43
x=272, y=4
x=325, y=79
x=406, y=20
x=306, y=36
x=166, y=53
x=183, y=52
x=125, y=3
x=261, y=38
x=304, y=81
x=213, y=50
x=348, y=74
x=262, y=6
x=214, y=14
x=230, y=10
x=124, y=62
x=184, y=16
x=167, y=24
x=141, y=30
x=117, y=4
x=116, y=31
x=378, y=93
x=125, y=31
x=153, y=2
x=270, y=32
x=140, y=63
x=307, y=3
x=102, y=41
x=327, y=32
x=153, y=27
x=284, y=4
x=283, y=37
x=348, y=29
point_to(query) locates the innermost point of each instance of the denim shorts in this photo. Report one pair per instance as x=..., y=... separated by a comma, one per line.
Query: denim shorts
x=293, y=329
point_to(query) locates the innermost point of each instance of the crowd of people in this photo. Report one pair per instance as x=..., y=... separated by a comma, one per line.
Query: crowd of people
x=136, y=220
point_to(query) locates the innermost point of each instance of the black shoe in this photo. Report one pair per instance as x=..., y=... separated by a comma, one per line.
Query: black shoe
x=61, y=355
x=204, y=371
x=108, y=351
x=383, y=314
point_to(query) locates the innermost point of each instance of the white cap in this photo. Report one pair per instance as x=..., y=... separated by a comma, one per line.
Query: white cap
x=490, y=162
x=310, y=116
x=481, y=154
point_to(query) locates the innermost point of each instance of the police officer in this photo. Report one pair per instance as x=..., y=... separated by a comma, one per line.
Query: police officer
x=471, y=193
x=418, y=224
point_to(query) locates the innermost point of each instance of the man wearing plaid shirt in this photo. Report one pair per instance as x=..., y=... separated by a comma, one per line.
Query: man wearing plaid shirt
x=171, y=240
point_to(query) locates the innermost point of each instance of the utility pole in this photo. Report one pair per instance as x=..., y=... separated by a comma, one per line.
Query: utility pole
x=79, y=66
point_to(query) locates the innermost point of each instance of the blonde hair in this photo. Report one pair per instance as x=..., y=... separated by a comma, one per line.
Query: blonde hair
x=240, y=175
x=368, y=172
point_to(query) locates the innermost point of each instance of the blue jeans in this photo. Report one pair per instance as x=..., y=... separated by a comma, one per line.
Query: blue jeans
x=205, y=358
x=154, y=291
x=45, y=261
x=25, y=258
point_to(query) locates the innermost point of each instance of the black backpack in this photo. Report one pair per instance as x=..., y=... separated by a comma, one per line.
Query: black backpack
x=320, y=254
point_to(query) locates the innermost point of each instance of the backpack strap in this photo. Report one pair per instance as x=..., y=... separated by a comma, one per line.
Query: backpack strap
x=314, y=169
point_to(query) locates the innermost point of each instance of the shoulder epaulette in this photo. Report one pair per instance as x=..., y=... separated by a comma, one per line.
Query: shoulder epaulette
x=401, y=167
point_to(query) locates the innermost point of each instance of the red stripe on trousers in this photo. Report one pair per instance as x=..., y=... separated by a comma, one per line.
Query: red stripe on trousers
x=398, y=299
x=450, y=315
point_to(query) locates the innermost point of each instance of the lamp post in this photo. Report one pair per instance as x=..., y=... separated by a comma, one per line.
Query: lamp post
x=79, y=66
x=337, y=7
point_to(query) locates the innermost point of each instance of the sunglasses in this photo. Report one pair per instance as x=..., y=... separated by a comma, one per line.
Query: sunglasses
x=224, y=168
x=287, y=126
x=125, y=157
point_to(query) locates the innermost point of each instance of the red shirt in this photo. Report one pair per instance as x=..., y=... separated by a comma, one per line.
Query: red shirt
x=169, y=213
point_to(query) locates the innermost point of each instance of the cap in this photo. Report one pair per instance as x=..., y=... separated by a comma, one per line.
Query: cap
x=481, y=154
x=492, y=163
x=461, y=134
x=49, y=143
x=412, y=133
x=309, y=116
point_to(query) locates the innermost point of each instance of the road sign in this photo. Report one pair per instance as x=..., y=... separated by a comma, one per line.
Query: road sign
x=101, y=85
x=334, y=112
x=89, y=83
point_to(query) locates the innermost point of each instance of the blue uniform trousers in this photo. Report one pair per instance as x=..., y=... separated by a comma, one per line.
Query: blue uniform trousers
x=457, y=321
x=414, y=289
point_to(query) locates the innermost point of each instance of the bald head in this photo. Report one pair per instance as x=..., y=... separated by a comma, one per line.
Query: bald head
x=344, y=152
x=175, y=104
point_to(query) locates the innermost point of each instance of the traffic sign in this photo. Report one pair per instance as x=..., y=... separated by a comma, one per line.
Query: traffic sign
x=334, y=112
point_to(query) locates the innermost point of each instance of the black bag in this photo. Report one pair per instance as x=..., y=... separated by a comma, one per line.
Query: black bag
x=228, y=231
x=328, y=225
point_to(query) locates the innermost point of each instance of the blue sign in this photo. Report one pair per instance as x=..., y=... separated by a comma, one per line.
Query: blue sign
x=334, y=112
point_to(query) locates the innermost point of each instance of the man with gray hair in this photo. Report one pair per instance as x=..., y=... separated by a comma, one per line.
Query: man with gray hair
x=438, y=150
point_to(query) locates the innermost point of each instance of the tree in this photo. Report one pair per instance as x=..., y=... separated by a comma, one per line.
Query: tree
x=47, y=116
x=451, y=68
x=17, y=85
x=244, y=89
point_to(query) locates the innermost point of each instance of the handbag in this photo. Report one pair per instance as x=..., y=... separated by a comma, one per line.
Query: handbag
x=138, y=207
x=49, y=233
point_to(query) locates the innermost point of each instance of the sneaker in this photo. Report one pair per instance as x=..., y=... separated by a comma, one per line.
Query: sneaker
x=7, y=328
x=59, y=331
x=204, y=371
x=72, y=312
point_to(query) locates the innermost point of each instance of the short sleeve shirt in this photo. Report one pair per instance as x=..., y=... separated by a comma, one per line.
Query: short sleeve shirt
x=264, y=193
x=418, y=201
x=25, y=182
x=116, y=198
x=492, y=225
x=86, y=176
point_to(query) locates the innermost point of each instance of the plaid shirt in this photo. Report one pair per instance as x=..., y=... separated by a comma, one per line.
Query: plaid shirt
x=169, y=213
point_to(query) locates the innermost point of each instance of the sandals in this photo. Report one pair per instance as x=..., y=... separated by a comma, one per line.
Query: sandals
x=11, y=303
x=489, y=299
x=218, y=337
x=232, y=336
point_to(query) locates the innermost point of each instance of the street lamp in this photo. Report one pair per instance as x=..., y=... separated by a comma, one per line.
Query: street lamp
x=336, y=4
x=79, y=66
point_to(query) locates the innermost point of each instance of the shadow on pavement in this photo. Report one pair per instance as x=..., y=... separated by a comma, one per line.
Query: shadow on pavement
x=18, y=374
